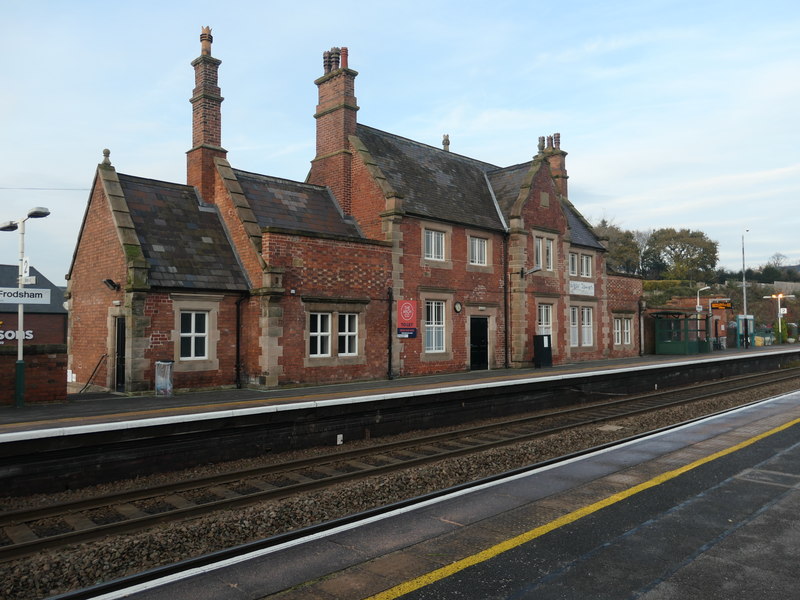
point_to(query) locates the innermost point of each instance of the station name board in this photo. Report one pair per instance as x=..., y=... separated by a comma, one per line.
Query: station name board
x=24, y=296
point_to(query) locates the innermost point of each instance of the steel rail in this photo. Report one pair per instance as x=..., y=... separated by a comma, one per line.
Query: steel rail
x=429, y=449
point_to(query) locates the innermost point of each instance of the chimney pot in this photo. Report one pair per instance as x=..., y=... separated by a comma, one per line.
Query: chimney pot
x=205, y=41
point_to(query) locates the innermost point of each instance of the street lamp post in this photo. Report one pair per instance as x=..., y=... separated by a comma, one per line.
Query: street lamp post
x=697, y=304
x=38, y=212
x=699, y=308
x=778, y=297
x=744, y=298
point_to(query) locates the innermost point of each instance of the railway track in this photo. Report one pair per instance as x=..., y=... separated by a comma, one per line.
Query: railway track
x=28, y=531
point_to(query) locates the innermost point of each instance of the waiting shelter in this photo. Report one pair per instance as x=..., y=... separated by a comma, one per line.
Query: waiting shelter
x=678, y=332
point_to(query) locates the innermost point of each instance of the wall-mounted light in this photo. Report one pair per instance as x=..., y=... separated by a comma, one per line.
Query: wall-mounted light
x=523, y=272
x=112, y=285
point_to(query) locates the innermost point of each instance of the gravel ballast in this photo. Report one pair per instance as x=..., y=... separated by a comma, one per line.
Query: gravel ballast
x=83, y=565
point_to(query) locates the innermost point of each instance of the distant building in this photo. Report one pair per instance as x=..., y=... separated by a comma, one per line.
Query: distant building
x=44, y=342
x=393, y=258
x=43, y=323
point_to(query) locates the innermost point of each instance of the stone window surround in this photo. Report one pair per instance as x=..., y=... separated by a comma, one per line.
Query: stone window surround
x=589, y=304
x=489, y=266
x=198, y=303
x=540, y=239
x=445, y=296
x=447, y=263
x=622, y=318
x=334, y=306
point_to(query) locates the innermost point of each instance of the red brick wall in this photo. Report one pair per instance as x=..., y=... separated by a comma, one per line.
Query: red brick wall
x=368, y=201
x=327, y=269
x=45, y=373
x=456, y=282
x=159, y=311
x=624, y=294
x=99, y=256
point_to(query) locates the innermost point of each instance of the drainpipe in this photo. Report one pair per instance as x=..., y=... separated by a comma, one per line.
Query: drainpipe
x=642, y=307
x=506, y=364
x=239, y=339
x=390, y=297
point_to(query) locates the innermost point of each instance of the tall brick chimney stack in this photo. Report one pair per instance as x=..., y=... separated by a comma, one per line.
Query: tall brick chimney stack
x=206, y=121
x=556, y=157
x=336, y=121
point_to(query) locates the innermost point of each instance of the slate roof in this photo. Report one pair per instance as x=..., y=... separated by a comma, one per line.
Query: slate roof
x=8, y=278
x=434, y=183
x=506, y=184
x=580, y=232
x=183, y=240
x=296, y=206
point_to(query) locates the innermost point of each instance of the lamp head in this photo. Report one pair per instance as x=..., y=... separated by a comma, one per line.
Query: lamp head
x=9, y=226
x=38, y=212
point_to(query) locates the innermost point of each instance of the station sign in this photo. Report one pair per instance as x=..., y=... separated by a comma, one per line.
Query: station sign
x=721, y=303
x=24, y=296
x=407, y=318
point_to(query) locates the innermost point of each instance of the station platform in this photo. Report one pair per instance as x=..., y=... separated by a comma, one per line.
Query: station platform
x=109, y=407
x=707, y=510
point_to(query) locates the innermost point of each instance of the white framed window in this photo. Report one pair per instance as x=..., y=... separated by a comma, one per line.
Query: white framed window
x=586, y=265
x=477, y=251
x=587, y=326
x=537, y=252
x=335, y=332
x=194, y=335
x=548, y=254
x=544, y=319
x=319, y=334
x=623, y=328
x=347, y=334
x=573, y=264
x=574, y=324
x=433, y=245
x=434, y=326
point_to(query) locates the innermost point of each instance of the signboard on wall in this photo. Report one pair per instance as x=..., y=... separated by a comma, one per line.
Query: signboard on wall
x=24, y=296
x=581, y=288
x=407, y=318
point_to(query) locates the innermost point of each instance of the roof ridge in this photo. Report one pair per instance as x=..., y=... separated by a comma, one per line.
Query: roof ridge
x=424, y=145
x=160, y=181
x=276, y=178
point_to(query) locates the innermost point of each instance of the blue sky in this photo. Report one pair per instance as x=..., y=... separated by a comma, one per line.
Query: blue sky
x=674, y=113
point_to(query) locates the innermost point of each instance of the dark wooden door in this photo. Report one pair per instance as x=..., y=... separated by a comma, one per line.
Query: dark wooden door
x=119, y=355
x=478, y=343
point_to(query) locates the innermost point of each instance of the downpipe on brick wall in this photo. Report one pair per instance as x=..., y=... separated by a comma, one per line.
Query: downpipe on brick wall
x=244, y=297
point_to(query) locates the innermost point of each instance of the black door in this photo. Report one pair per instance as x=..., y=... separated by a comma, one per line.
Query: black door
x=119, y=361
x=478, y=343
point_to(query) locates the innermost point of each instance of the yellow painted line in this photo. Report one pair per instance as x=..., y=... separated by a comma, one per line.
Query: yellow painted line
x=451, y=569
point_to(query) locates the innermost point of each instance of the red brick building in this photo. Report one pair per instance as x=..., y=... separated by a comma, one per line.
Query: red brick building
x=248, y=279
x=44, y=342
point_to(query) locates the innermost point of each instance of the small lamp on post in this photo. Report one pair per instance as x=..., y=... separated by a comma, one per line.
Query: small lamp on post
x=38, y=212
x=778, y=297
x=699, y=309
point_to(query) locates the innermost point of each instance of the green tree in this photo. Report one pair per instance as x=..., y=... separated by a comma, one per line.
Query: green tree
x=623, y=252
x=686, y=254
